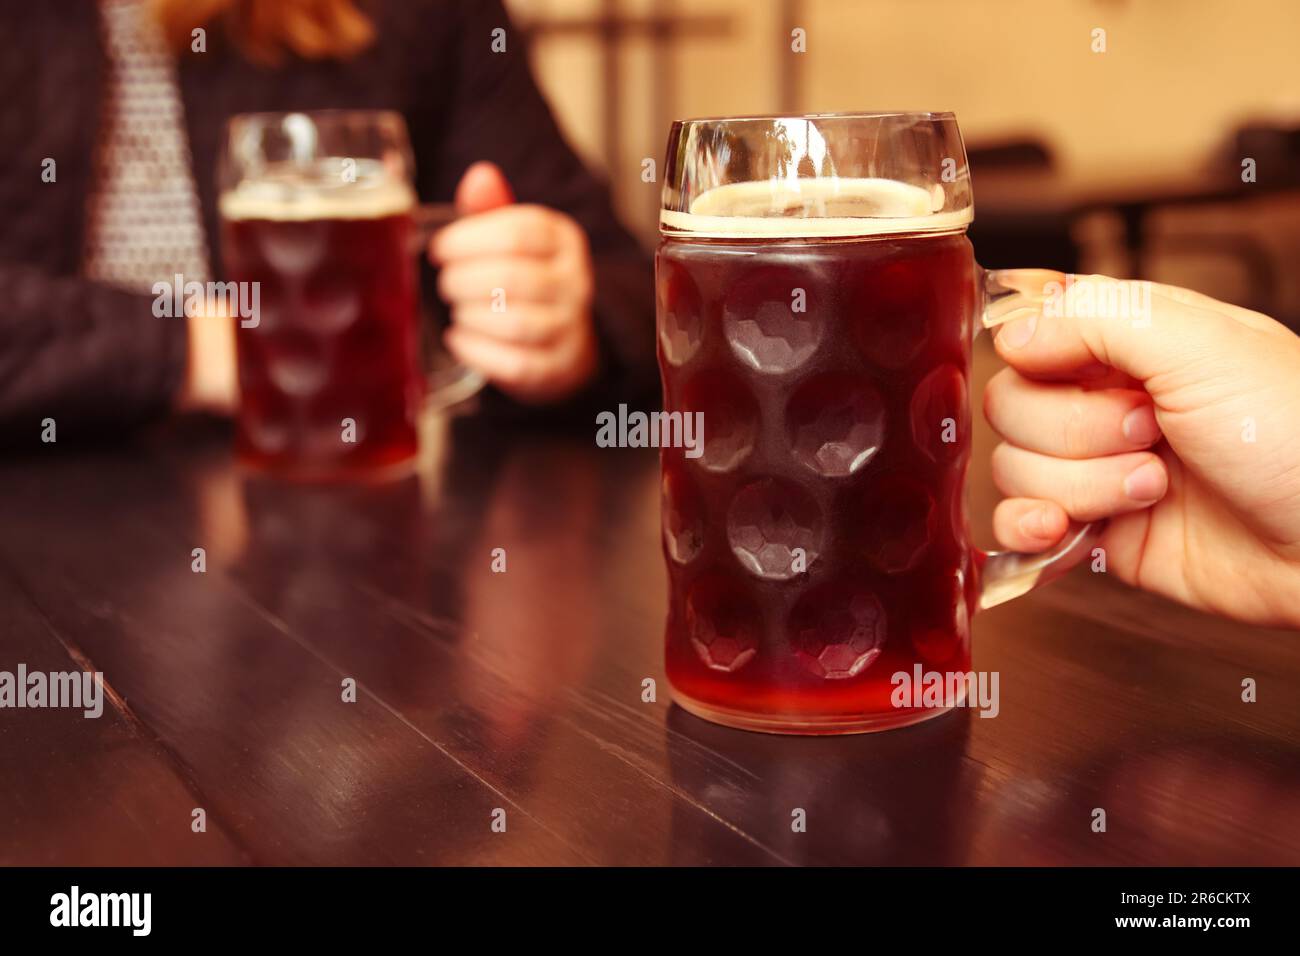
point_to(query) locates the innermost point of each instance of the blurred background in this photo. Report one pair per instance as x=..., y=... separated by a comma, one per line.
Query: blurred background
x=1124, y=151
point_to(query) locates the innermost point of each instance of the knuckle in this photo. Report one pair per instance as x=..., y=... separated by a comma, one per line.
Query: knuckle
x=515, y=279
x=537, y=226
x=1079, y=493
x=508, y=278
x=502, y=291
x=468, y=317
x=518, y=326
x=515, y=368
x=451, y=339
x=1076, y=431
x=519, y=240
x=1004, y=523
x=1001, y=466
x=993, y=397
x=447, y=282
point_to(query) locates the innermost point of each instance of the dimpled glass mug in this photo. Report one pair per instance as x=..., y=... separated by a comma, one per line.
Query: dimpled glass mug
x=319, y=214
x=816, y=301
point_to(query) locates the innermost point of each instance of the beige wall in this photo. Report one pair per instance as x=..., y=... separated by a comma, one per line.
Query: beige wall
x=1176, y=77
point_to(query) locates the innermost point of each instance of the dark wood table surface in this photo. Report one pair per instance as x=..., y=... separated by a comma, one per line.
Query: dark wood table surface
x=522, y=691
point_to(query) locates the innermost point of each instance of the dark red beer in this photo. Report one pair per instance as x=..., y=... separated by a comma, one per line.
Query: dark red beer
x=329, y=378
x=843, y=431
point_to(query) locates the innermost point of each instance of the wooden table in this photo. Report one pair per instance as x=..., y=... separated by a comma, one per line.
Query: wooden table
x=521, y=690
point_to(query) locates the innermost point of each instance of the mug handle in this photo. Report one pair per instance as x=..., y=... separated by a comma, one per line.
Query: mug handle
x=451, y=383
x=1004, y=575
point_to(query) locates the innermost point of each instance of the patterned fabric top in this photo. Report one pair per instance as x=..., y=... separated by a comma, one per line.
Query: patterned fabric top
x=144, y=223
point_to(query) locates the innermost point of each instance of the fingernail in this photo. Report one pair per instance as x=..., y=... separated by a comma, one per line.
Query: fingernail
x=1017, y=333
x=1033, y=524
x=1145, y=483
x=1140, y=426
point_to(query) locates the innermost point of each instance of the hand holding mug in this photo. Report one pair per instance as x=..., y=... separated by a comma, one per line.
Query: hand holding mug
x=1180, y=425
x=518, y=278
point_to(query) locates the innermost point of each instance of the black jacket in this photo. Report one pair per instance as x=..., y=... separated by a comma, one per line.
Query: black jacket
x=88, y=355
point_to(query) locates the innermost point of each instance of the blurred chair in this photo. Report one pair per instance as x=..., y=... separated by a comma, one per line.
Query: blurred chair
x=1275, y=148
x=1233, y=241
x=1011, y=154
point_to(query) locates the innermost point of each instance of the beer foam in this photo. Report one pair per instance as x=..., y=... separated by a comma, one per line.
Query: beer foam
x=280, y=200
x=807, y=208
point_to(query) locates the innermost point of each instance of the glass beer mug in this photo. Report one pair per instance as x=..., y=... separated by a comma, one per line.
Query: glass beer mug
x=816, y=302
x=320, y=216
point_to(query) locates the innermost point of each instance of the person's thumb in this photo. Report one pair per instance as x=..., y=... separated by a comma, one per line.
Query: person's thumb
x=482, y=187
x=1143, y=329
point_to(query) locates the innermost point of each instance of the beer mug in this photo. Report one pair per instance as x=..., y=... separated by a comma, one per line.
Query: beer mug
x=816, y=302
x=320, y=218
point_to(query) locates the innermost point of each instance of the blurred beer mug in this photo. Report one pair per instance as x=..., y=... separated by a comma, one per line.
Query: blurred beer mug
x=320, y=219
